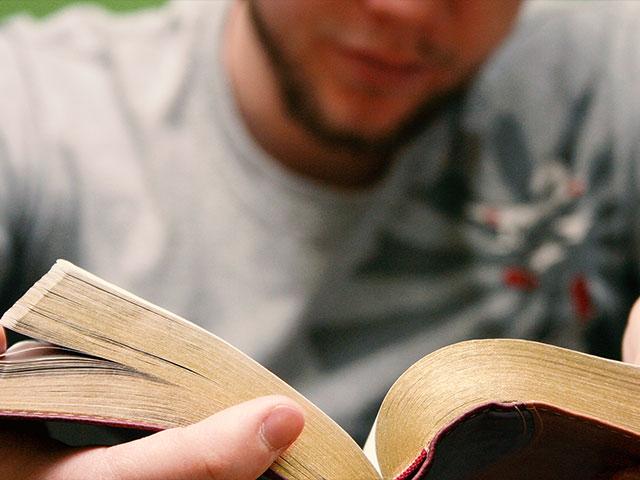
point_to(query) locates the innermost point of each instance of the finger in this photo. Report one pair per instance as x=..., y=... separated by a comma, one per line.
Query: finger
x=30, y=349
x=631, y=339
x=3, y=340
x=239, y=443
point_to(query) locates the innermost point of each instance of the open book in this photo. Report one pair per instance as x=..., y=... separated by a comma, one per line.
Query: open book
x=486, y=409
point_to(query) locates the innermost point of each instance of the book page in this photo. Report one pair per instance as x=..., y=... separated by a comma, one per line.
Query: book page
x=370, y=447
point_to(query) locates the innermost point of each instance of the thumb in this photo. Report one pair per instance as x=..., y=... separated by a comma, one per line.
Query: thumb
x=238, y=443
x=3, y=340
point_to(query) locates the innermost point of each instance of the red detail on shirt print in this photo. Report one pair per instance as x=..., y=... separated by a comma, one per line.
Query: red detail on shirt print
x=491, y=217
x=581, y=298
x=576, y=188
x=520, y=278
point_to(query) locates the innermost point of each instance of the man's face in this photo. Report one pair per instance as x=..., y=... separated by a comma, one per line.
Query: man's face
x=360, y=73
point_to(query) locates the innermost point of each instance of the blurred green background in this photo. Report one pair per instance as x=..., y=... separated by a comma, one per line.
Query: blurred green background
x=40, y=8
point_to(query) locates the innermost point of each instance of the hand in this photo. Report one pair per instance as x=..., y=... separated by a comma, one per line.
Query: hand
x=631, y=339
x=239, y=443
x=631, y=354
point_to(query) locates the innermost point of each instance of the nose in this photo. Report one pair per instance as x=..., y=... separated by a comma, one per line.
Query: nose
x=410, y=12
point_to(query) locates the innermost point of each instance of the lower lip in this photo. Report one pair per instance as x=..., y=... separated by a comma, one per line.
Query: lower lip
x=371, y=73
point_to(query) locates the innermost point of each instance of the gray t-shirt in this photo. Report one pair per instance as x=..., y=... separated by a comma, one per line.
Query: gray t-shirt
x=122, y=150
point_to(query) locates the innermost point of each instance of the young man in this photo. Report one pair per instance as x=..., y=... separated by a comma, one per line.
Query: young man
x=337, y=189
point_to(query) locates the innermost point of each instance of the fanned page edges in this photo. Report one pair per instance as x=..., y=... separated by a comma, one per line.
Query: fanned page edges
x=200, y=373
x=525, y=441
x=444, y=386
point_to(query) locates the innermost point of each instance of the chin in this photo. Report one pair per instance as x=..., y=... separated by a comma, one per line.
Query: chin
x=371, y=125
x=373, y=118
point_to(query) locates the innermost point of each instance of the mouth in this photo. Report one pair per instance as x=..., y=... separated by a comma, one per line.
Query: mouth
x=379, y=72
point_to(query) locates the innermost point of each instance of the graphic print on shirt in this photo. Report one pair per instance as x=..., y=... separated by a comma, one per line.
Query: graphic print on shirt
x=502, y=245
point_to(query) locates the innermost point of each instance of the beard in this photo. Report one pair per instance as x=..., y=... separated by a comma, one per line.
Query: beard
x=303, y=106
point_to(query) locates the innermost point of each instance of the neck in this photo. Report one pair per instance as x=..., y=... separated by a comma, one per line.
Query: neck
x=260, y=102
